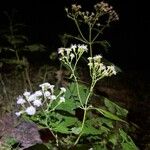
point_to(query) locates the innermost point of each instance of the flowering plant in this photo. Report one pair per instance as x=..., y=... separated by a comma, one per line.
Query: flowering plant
x=57, y=109
x=92, y=22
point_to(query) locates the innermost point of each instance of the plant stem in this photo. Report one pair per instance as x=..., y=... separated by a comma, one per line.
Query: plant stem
x=90, y=39
x=77, y=38
x=84, y=118
x=78, y=92
x=80, y=30
x=85, y=111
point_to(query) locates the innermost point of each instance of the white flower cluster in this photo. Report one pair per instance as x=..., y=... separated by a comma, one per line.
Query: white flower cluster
x=75, y=51
x=98, y=70
x=31, y=101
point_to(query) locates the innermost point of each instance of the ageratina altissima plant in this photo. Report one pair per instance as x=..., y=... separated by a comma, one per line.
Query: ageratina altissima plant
x=55, y=109
x=48, y=107
x=97, y=71
x=41, y=100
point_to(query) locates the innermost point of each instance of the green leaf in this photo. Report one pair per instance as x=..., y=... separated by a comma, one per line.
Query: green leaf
x=109, y=115
x=127, y=142
x=72, y=101
x=115, y=109
x=83, y=90
x=93, y=128
x=69, y=105
x=99, y=147
x=16, y=39
x=107, y=122
x=65, y=124
x=113, y=138
x=35, y=47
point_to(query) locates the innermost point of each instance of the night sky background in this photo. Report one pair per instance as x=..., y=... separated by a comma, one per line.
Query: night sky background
x=128, y=37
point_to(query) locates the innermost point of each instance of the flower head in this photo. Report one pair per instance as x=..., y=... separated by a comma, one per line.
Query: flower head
x=19, y=113
x=26, y=94
x=63, y=90
x=47, y=94
x=52, y=97
x=82, y=48
x=46, y=86
x=32, y=97
x=30, y=110
x=62, y=100
x=21, y=100
x=73, y=47
x=38, y=93
x=61, y=51
x=37, y=103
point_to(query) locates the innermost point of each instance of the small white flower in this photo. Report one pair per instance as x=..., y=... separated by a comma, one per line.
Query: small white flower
x=105, y=73
x=96, y=64
x=20, y=100
x=26, y=94
x=73, y=47
x=63, y=90
x=32, y=97
x=47, y=94
x=114, y=72
x=52, y=97
x=68, y=50
x=72, y=56
x=82, y=47
x=52, y=88
x=30, y=110
x=61, y=51
x=62, y=100
x=111, y=70
x=38, y=93
x=90, y=59
x=37, y=103
x=18, y=113
x=46, y=86
x=90, y=65
x=102, y=66
x=97, y=58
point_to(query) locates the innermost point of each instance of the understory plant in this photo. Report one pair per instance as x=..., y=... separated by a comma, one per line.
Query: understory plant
x=91, y=25
x=68, y=112
x=14, y=43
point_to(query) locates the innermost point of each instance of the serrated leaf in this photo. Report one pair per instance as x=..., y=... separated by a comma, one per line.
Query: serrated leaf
x=109, y=115
x=64, y=125
x=72, y=101
x=127, y=143
x=83, y=90
x=113, y=138
x=115, y=109
x=107, y=122
x=93, y=128
x=68, y=106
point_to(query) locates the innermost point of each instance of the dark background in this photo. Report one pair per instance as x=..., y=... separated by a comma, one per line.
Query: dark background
x=46, y=20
